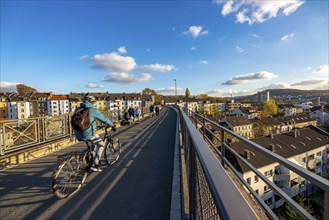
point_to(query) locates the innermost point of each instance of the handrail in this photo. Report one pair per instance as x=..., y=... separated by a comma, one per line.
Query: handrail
x=317, y=180
x=226, y=196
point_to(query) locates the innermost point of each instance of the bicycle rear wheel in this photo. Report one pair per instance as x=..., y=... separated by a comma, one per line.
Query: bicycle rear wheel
x=70, y=176
x=112, y=151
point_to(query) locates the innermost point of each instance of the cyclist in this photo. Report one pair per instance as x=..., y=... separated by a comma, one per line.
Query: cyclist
x=90, y=133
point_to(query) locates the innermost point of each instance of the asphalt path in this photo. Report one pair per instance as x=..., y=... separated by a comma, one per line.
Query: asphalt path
x=138, y=186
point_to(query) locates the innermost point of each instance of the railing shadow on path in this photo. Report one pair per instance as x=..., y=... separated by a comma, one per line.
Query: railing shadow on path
x=93, y=199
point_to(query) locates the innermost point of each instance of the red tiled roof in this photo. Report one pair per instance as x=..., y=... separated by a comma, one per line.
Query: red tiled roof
x=58, y=97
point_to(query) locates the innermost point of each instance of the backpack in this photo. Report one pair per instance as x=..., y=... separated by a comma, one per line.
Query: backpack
x=80, y=119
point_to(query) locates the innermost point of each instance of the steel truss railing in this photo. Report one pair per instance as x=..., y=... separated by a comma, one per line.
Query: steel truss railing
x=25, y=133
x=200, y=123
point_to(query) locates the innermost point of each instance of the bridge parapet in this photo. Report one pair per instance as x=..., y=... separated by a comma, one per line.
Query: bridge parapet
x=206, y=174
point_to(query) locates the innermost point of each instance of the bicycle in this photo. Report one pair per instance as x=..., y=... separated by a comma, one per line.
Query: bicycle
x=73, y=168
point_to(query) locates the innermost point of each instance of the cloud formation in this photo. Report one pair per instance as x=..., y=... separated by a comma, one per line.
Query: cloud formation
x=125, y=78
x=313, y=82
x=323, y=69
x=158, y=68
x=204, y=62
x=170, y=91
x=196, y=31
x=246, y=78
x=256, y=11
x=94, y=86
x=228, y=93
x=122, y=50
x=239, y=49
x=8, y=86
x=276, y=86
x=111, y=62
x=287, y=36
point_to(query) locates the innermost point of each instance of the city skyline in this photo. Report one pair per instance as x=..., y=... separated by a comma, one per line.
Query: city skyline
x=215, y=47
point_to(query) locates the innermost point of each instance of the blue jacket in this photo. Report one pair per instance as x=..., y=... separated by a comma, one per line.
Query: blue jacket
x=93, y=115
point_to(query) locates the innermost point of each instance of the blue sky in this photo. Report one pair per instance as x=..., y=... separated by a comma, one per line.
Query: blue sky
x=211, y=47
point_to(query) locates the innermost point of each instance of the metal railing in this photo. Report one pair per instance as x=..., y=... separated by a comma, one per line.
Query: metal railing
x=200, y=123
x=212, y=194
x=25, y=133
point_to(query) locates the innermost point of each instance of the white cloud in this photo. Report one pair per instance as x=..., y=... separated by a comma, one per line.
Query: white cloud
x=148, y=50
x=193, y=48
x=122, y=50
x=196, y=31
x=323, y=69
x=256, y=36
x=8, y=86
x=246, y=78
x=276, y=86
x=84, y=57
x=239, y=49
x=94, y=86
x=125, y=78
x=228, y=93
x=158, y=67
x=204, y=62
x=256, y=11
x=112, y=62
x=287, y=36
x=170, y=91
x=312, y=82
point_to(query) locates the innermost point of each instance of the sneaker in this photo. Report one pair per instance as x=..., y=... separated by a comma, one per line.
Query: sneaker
x=95, y=168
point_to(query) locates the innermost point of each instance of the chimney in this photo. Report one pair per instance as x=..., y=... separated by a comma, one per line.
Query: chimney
x=295, y=131
x=272, y=147
x=247, y=154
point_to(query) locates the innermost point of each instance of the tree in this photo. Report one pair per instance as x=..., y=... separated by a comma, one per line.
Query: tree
x=270, y=107
x=259, y=129
x=292, y=214
x=151, y=92
x=204, y=96
x=187, y=93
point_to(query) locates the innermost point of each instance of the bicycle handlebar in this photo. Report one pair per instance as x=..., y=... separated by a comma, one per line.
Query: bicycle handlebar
x=106, y=127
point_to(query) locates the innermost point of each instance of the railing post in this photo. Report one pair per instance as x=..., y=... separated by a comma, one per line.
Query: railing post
x=2, y=140
x=203, y=129
x=196, y=121
x=222, y=147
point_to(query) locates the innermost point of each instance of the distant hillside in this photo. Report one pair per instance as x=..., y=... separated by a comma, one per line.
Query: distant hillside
x=23, y=89
x=286, y=92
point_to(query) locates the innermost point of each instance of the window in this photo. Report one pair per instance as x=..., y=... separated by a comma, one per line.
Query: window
x=266, y=189
x=256, y=179
x=256, y=191
x=311, y=157
x=22, y=110
x=268, y=173
x=249, y=180
x=318, y=154
x=304, y=159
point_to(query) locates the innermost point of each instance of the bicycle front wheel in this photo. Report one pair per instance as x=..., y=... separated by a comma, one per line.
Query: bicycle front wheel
x=112, y=151
x=69, y=176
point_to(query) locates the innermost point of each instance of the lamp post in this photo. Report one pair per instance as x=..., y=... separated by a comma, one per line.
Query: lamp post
x=175, y=90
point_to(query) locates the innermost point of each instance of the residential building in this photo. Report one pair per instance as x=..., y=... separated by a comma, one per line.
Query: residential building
x=3, y=110
x=239, y=125
x=321, y=116
x=58, y=105
x=247, y=112
x=307, y=148
x=38, y=103
x=276, y=125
